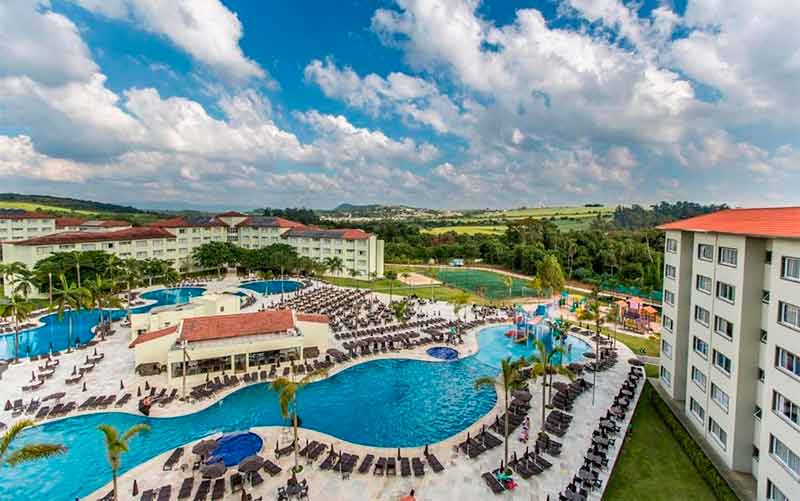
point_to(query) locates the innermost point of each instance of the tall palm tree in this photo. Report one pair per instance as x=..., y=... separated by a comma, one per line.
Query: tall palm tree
x=78, y=259
x=353, y=273
x=131, y=275
x=399, y=310
x=459, y=302
x=115, y=268
x=287, y=398
x=23, y=281
x=542, y=364
x=117, y=444
x=26, y=453
x=511, y=379
x=19, y=308
x=8, y=271
x=509, y=283
x=334, y=264
x=69, y=296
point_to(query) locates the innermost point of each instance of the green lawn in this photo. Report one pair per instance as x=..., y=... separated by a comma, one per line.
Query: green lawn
x=652, y=465
x=467, y=230
x=652, y=347
x=29, y=206
x=578, y=211
x=651, y=370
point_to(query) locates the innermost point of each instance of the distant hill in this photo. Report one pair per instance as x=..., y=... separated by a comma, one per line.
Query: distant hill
x=357, y=208
x=47, y=202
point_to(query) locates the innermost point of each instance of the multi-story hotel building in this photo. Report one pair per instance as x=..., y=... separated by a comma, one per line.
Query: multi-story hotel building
x=175, y=240
x=16, y=224
x=730, y=353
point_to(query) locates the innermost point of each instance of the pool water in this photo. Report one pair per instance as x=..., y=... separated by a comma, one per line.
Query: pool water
x=442, y=353
x=267, y=287
x=232, y=448
x=54, y=334
x=382, y=403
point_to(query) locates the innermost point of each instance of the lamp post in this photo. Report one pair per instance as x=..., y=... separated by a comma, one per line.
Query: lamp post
x=50, y=289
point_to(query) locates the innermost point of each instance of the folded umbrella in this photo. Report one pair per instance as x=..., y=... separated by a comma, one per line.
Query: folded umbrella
x=213, y=470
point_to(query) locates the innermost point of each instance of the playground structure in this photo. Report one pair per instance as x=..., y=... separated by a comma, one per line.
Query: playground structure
x=635, y=316
x=534, y=324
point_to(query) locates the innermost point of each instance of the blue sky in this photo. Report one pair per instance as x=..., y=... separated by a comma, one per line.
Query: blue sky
x=440, y=103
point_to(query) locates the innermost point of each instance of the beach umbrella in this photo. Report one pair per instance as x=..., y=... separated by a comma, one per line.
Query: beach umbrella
x=135, y=488
x=138, y=391
x=398, y=453
x=33, y=376
x=251, y=464
x=213, y=470
x=74, y=370
x=635, y=361
x=84, y=386
x=425, y=453
x=147, y=385
x=8, y=406
x=121, y=385
x=203, y=447
x=522, y=395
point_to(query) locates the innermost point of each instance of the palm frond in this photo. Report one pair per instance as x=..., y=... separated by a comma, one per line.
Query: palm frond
x=279, y=384
x=111, y=434
x=485, y=381
x=11, y=434
x=285, y=398
x=311, y=376
x=33, y=452
x=133, y=431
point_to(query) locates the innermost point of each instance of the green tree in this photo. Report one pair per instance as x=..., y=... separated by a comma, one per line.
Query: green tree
x=510, y=380
x=508, y=281
x=117, y=445
x=76, y=259
x=542, y=365
x=334, y=265
x=287, y=399
x=353, y=273
x=69, y=296
x=214, y=255
x=391, y=275
x=25, y=453
x=551, y=275
x=399, y=310
x=19, y=308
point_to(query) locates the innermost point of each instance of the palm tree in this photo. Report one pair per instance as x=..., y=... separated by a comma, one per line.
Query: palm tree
x=542, y=365
x=353, y=273
x=287, y=399
x=78, y=259
x=23, y=281
x=511, y=379
x=117, y=445
x=399, y=310
x=131, y=275
x=459, y=302
x=509, y=283
x=101, y=295
x=26, y=453
x=9, y=271
x=334, y=265
x=20, y=309
x=69, y=296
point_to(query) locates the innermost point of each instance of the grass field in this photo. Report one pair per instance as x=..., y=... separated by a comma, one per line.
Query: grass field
x=652, y=464
x=578, y=211
x=34, y=207
x=439, y=292
x=467, y=230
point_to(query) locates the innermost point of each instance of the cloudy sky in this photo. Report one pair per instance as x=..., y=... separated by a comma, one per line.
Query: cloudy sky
x=439, y=103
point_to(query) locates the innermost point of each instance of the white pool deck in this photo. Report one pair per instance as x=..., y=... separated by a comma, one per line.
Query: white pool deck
x=461, y=479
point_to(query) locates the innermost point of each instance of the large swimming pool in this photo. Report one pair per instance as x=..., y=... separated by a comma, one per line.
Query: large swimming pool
x=272, y=286
x=53, y=335
x=384, y=403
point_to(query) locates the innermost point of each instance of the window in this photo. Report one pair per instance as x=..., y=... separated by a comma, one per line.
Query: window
x=775, y=494
x=666, y=376
x=699, y=378
x=768, y=257
x=728, y=256
x=765, y=296
x=717, y=432
x=785, y=408
x=726, y=292
x=789, y=315
x=666, y=349
x=787, y=361
x=667, y=323
x=697, y=410
x=791, y=268
x=761, y=374
x=784, y=455
x=757, y=412
x=672, y=246
x=763, y=336
x=669, y=297
x=722, y=362
x=702, y=315
x=705, y=252
x=669, y=271
x=703, y=284
x=720, y=397
x=723, y=327
x=700, y=347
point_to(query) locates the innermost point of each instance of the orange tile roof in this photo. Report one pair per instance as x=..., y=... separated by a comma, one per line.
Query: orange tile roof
x=149, y=336
x=61, y=222
x=782, y=222
x=71, y=237
x=308, y=317
x=236, y=325
x=23, y=214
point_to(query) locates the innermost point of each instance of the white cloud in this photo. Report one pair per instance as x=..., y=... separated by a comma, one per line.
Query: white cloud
x=205, y=29
x=42, y=44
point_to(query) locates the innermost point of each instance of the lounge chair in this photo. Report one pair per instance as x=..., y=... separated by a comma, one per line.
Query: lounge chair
x=148, y=495
x=218, y=492
x=256, y=479
x=436, y=466
x=418, y=466
x=173, y=459
x=186, y=488
x=237, y=482
x=380, y=467
x=271, y=468
x=391, y=466
x=405, y=467
x=329, y=462
x=202, y=491
x=165, y=493
x=493, y=483
x=366, y=463
x=284, y=451
x=307, y=448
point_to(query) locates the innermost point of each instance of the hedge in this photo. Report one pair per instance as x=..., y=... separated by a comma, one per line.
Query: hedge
x=704, y=466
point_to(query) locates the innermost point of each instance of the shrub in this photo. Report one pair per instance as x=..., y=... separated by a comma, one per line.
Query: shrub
x=704, y=466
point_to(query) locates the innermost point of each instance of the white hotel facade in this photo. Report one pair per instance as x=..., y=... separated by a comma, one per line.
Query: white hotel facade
x=730, y=354
x=175, y=240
